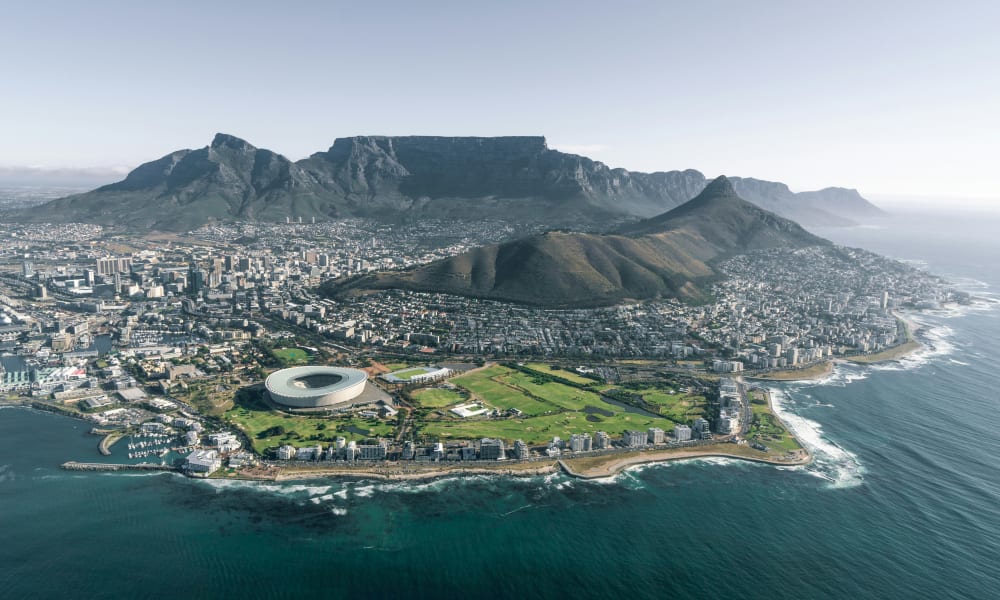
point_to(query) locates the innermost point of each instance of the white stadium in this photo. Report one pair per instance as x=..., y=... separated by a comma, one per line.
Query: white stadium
x=311, y=387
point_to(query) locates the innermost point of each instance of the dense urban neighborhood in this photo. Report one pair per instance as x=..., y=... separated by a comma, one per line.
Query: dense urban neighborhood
x=164, y=342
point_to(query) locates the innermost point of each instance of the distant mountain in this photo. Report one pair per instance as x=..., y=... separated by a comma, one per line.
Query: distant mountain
x=670, y=255
x=393, y=178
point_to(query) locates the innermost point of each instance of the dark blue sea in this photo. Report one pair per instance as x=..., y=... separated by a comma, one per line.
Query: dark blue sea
x=903, y=500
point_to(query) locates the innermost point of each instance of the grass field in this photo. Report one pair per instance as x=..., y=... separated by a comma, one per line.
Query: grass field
x=436, y=397
x=767, y=428
x=679, y=407
x=538, y=430
x=291, y=356
x=396, y=366
x=408, y=373
x=498, y=394
x=550, y=409
x=254, y=417
x=568, y=375
x=563, y=396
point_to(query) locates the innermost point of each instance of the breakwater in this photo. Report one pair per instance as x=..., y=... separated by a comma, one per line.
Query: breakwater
x=82, y=466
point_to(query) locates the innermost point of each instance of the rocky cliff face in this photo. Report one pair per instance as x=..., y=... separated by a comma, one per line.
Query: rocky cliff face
x=518, y=178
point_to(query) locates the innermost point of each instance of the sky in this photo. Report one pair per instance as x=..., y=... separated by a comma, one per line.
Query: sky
x=895, y=99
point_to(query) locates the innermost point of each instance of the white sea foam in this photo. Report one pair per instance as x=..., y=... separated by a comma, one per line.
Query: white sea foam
x=338, y=511
x=427, y=485
x=364, y=491
x=725, y=461
x=841, y=376
x=222, y=485
x=830, y=461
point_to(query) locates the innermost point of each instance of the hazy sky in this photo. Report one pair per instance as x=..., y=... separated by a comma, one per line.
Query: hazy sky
x=888, y=97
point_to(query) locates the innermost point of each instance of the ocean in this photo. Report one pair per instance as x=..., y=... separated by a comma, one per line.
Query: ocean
x=903, y=500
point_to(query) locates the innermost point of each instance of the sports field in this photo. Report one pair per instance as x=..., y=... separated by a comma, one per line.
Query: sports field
x=409, y=373
x=291, y=356
x=437, y=397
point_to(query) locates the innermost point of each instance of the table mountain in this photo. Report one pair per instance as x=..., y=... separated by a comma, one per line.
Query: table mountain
x=409, y=177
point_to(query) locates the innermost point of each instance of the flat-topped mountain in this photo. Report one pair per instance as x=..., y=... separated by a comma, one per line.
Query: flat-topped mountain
x=668, y=256
x=393, y=178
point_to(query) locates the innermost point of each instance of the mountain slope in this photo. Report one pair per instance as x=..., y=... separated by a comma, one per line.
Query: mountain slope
x=516, y=178
x=667, y=256
x=188, y=188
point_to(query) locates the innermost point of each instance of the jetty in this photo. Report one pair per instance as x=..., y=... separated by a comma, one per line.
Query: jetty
x=82, y=466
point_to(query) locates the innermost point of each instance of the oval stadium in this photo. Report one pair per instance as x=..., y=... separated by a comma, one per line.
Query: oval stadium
x=311, y=387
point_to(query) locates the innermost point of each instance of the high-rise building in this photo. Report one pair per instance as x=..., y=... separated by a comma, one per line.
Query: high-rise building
x=113, y=265
x=521, y=450
x=682, y=433
x=491, y=449
x=655, y=435
x=635, y=439
x=581, y=442
x=602, y=440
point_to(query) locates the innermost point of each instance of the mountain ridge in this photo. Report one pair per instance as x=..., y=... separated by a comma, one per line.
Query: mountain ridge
x=669, y=256
x=393, y=177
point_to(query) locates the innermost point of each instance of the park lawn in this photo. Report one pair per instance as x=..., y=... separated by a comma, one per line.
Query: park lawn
x=679, y=407
x=396, y=366
x=498, y=394
x=562, y=395
x=541, y=429
x=436, y=397
x=768, y=430
x=568, y=375
x=253, y=418
x=291, y=356
x=407, y=374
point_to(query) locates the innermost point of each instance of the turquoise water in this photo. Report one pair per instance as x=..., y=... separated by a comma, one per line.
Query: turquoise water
x=902, y=501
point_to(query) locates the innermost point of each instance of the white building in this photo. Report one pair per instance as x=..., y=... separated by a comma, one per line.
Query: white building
x=656, y=435
x=225, y=441
x=204, y=461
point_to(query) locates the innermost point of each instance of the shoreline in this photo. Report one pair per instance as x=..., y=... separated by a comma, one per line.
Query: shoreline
x=604, y=466
x=897, y=352
x=613, y=468
x=813, y=373
x=389, y=473
x=810, y=373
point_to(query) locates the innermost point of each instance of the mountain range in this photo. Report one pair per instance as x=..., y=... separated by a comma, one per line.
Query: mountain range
x=669, y=256
x=394, y=178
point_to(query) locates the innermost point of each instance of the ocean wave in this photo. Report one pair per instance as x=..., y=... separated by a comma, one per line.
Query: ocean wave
x=428, y=485
x=280, y=489
x=936, y=342
x=6, y=473
x=842, y=375
x=365, y=491
x=831, y=462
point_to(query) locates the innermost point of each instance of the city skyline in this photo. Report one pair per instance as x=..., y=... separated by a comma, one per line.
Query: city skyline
x=890, y=102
